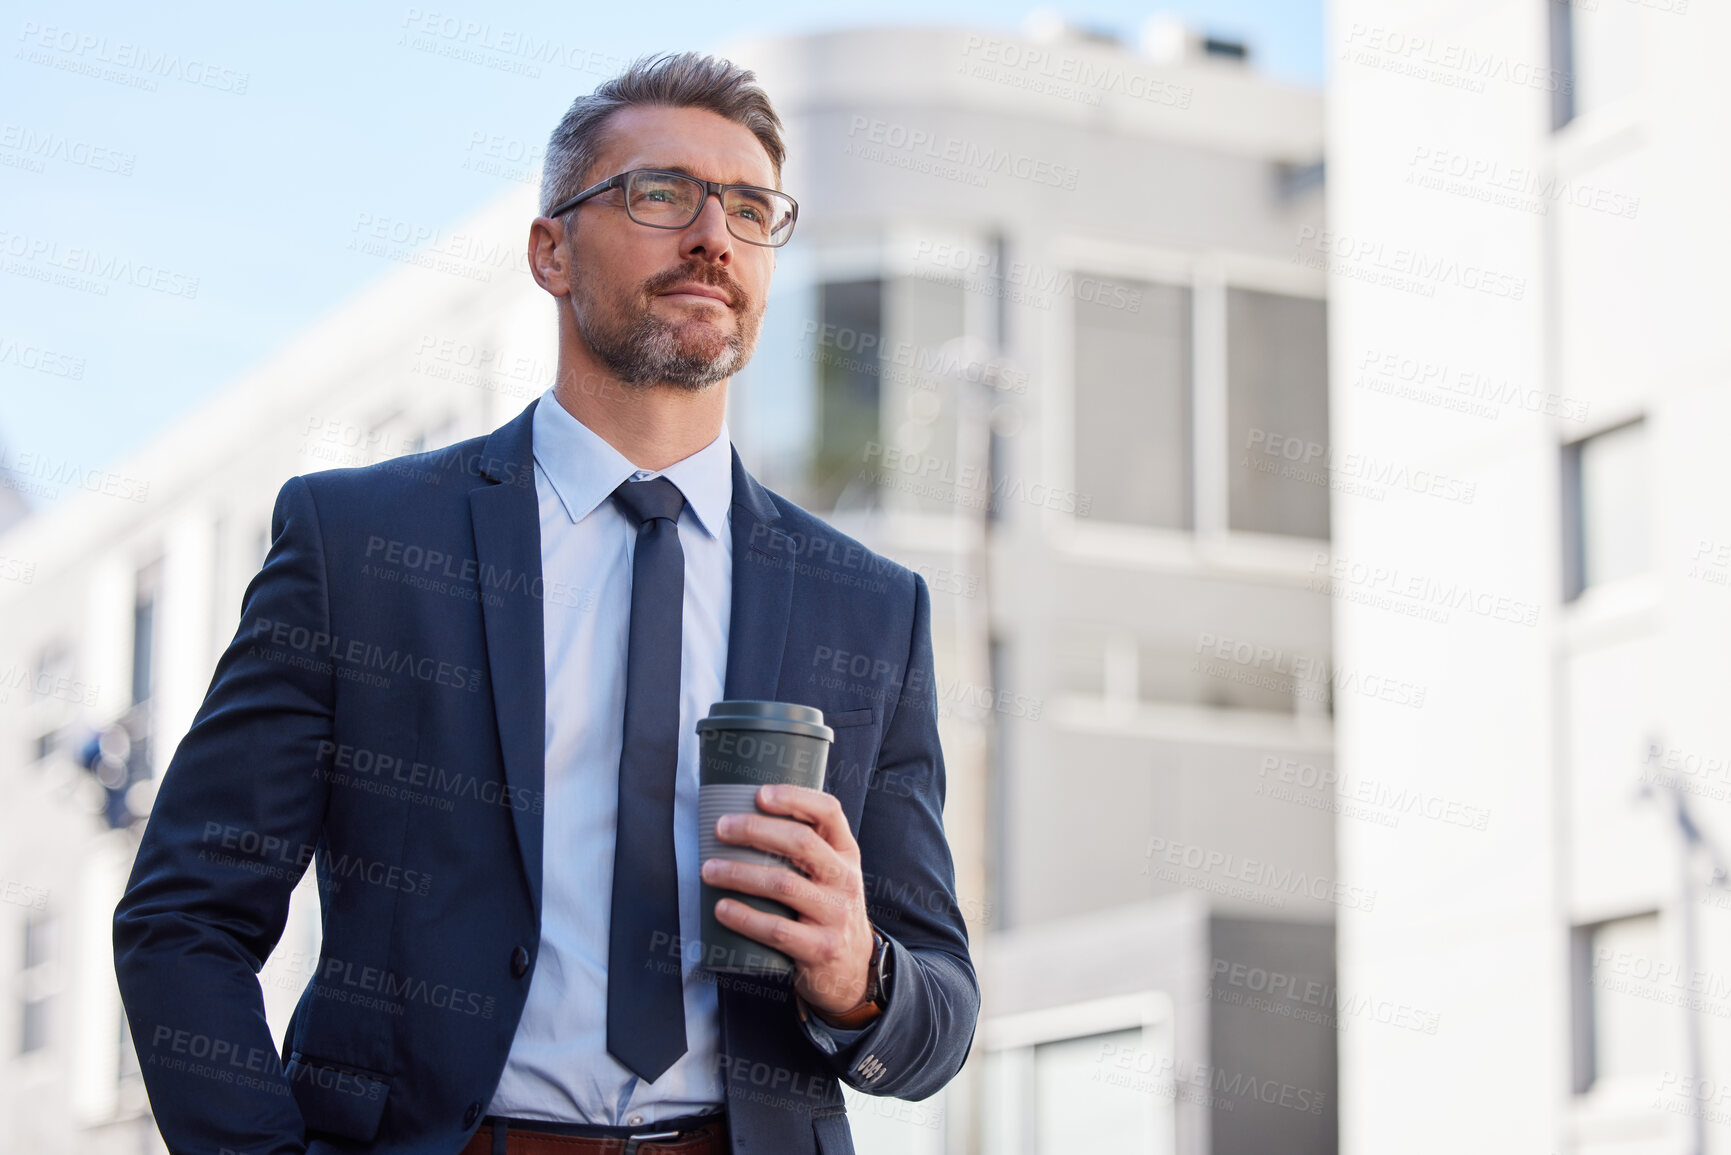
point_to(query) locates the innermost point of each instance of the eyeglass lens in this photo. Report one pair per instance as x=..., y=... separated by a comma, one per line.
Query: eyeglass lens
x=667, y=200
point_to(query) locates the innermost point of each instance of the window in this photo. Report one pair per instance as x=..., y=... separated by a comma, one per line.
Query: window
x=1277, y=413
x=144, y=631
x=1596, y=51
x=36, y=982
x=1623, y=987
x=849, y=337
x=1095, y=1075
x=1132, y=407
x=1604, y=492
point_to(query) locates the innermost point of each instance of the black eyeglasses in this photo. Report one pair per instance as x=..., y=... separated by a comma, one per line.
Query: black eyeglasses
x=671, y=200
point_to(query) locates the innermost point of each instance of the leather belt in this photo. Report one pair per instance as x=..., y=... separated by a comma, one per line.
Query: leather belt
x=690, y=1135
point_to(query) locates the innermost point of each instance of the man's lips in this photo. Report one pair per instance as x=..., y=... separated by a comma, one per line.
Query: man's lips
x=693, y=289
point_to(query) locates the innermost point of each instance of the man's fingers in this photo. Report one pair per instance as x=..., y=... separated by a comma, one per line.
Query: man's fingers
x=816, y=807
x=812, y=901
x=799, y=941
x=794, y=840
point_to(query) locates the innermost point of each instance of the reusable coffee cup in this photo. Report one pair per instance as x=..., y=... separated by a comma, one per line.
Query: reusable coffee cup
x=742, y=746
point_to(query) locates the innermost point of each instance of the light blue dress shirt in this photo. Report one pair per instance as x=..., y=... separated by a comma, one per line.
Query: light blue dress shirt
x=559, y=1068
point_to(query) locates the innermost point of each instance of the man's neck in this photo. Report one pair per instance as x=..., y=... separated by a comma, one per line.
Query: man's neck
x=651, y=426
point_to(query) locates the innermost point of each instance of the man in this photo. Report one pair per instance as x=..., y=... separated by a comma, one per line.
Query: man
x=494, y=773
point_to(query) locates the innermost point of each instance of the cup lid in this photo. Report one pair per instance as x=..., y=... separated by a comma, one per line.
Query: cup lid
x=787, y=717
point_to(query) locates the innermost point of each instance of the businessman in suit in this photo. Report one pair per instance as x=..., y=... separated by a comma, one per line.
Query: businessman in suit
x=464, y=692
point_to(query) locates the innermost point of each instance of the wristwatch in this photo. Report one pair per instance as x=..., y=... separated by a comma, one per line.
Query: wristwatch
x=877, y=992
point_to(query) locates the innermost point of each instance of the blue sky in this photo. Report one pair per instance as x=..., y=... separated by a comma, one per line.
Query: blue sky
x=233, y=185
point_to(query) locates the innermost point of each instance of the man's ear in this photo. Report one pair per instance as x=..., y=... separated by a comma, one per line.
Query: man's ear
x=548, y=257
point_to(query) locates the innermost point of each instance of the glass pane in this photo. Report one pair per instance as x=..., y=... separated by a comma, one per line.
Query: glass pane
x=923, y=398
x=1613, y=503
x=1133, y=402
x=1085, y=1100
x=1277, y=413
x=1634, y=984
x=1606, y=53
x=848, y=341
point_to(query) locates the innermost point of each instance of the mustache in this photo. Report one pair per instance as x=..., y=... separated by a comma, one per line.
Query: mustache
x=703, y=274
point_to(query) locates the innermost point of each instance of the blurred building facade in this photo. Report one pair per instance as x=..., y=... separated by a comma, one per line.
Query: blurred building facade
x=1528, y=318
x=1041, y=338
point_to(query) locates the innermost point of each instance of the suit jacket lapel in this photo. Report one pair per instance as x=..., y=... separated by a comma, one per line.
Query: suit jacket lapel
x=507, y=525
x=753, y=1029
x=763, y=559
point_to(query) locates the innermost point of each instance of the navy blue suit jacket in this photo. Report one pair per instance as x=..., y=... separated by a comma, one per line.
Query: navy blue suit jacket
x=380, y=716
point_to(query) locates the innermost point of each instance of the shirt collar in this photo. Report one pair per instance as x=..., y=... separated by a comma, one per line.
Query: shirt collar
x=584, y=469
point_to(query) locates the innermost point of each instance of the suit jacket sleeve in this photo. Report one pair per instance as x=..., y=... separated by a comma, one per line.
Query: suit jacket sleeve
x=920, y=1040
x=233, y=829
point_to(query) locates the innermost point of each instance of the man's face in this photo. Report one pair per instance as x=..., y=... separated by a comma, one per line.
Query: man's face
x=627, y=278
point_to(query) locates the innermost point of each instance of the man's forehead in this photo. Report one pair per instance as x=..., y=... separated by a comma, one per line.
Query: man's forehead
x=689, y=140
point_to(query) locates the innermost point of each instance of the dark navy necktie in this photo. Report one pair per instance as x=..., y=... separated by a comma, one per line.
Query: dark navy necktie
x=645, y=993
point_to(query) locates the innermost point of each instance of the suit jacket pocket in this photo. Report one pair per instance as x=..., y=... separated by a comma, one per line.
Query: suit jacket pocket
x=857, y=717
x=336, y=1100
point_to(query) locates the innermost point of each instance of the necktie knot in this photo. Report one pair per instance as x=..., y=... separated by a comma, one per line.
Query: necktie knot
x=643, y=500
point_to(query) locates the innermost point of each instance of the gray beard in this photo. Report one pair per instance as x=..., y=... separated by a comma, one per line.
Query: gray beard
x=648, y=353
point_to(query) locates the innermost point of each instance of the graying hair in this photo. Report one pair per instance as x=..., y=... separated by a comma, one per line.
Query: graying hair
x=685, y=80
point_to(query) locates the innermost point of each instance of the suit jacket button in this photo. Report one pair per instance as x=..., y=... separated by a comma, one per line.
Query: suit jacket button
x=519, y=962
x=473, y=1113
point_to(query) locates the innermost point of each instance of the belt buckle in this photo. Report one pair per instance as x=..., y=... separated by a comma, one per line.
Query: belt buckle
x=632, y=1141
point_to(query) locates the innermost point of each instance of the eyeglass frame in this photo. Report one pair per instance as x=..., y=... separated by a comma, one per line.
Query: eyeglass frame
x=710, y=188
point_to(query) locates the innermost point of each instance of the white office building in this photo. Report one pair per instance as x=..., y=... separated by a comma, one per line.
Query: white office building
x=1525, y=245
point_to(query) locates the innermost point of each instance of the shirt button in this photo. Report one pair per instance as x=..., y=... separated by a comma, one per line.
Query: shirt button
x=520, y=962
x=634, y=1120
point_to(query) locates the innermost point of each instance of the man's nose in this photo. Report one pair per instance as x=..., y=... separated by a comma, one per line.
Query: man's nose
x=708, y=232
